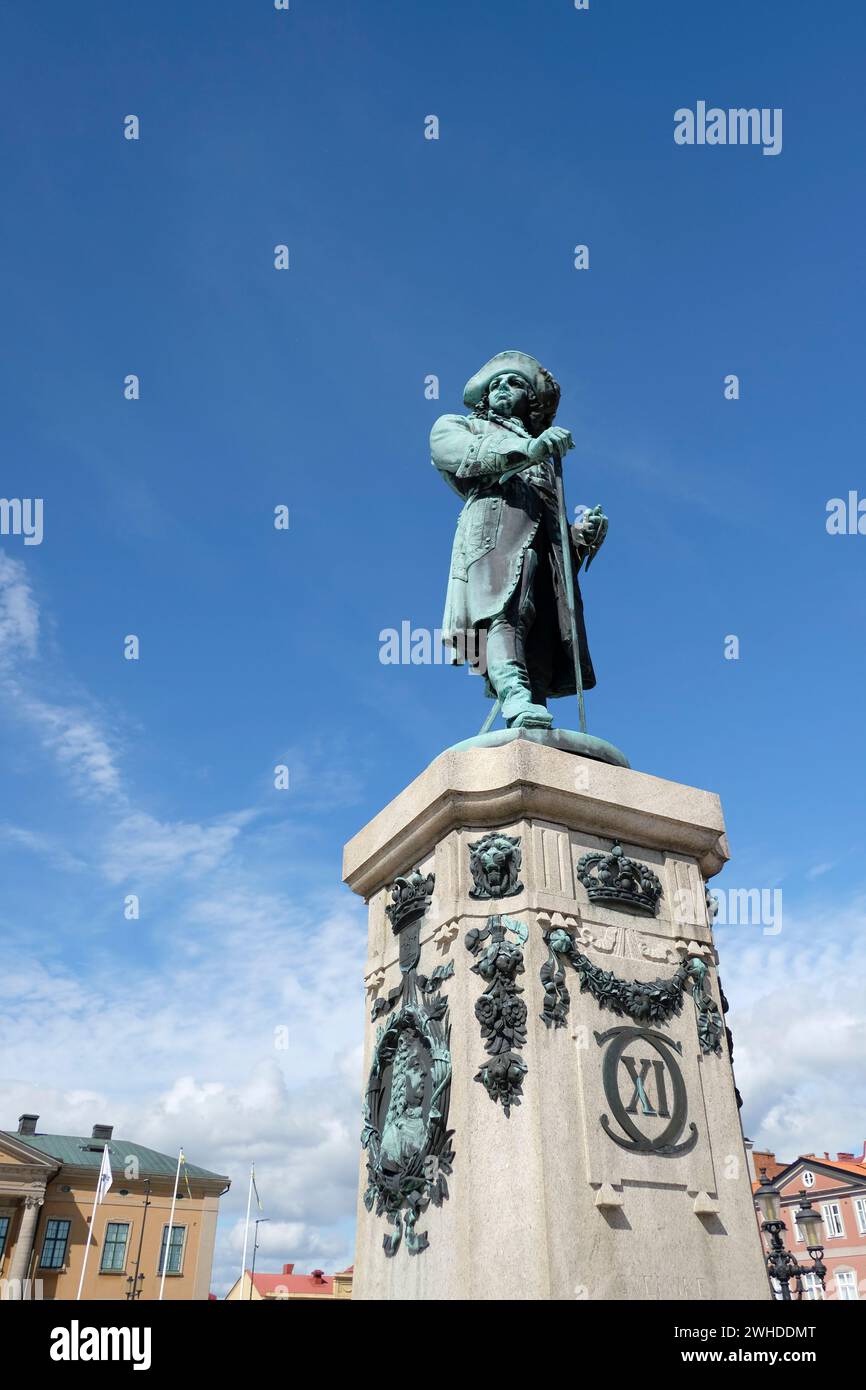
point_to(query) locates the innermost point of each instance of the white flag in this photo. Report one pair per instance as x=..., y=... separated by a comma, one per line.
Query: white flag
x=105, y=1179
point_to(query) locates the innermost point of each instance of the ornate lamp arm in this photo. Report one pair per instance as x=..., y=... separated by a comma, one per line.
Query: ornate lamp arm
x=783, y=1266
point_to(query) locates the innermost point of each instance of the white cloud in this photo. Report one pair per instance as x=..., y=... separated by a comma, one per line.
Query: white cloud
x=797, y=1021
x=70, y=733
x=140, y=847
x=183, y=1050
x=81, y=748
x=172, y=1028
x=45, y=845
x=19, y=612
x=818, y=869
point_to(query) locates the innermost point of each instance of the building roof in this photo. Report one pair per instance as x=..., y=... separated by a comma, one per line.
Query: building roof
x=86, y=1152
x=858, y=1170
x=316, y=1285
x=846, y=1162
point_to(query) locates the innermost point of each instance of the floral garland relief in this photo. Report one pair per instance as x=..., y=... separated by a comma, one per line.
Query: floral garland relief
x=500, y=1010
x=650, y=1002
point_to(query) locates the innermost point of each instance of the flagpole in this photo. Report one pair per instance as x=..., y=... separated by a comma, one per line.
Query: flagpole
x=87, y=1241
x=170, y=1226
x=246, y=1230
x=104, y=1180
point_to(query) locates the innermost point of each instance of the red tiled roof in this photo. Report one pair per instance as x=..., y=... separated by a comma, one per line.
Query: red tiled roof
x=856, y=1168
x=859, y=1169
x=287, y=1284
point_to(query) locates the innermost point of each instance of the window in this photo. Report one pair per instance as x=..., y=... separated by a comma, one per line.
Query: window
x=4, y=1231
x=812, y=1289
x=846, y=1284
x=860, y=1213
x=175, y=1253
x=808, y=1177
x=54, y=1244
x=114, y=1248
x=832, y=1214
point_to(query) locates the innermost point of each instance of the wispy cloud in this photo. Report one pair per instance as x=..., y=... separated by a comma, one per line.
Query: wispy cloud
x=140, y=847
x=19, y=612
x=47, y=846
x=818, y=870
x=82, y=749
x=70, y=732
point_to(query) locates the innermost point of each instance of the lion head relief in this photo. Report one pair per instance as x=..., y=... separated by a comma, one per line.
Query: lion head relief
x=494, y=862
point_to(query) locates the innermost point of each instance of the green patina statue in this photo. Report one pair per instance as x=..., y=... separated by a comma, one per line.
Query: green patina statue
x=513, y=609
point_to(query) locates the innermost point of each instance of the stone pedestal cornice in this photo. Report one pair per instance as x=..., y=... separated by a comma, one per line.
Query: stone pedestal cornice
x=486, y=787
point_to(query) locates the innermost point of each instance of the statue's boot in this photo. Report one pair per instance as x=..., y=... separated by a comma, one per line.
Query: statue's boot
x=506, y=659
x=511, y=683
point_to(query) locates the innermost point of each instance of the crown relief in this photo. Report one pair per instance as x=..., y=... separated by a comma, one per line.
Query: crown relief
x=611, y=877
x=410, y=898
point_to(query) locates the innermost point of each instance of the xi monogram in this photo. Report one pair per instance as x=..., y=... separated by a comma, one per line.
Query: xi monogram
x=655, y=1091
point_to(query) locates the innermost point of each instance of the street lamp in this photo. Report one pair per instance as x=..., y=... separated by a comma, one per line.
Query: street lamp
x=781, y=1264
x=259, y=1222
x=810, y=1224
x=134, y=1282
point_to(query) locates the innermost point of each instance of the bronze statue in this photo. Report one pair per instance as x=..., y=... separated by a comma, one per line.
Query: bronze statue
x=508, y=609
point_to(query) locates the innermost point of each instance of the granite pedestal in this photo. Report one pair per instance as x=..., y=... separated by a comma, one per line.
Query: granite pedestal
x=619, y=1171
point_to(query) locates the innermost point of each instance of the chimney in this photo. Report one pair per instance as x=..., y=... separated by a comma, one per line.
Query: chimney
x=27, y=1124
x=287, y=1269
x=845, y=1158
x=102, y=1132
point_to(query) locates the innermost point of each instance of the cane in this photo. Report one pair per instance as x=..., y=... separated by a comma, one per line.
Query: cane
x=565, y=545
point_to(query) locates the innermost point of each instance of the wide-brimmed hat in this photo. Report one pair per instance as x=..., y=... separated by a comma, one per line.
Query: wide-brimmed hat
x=542, y=383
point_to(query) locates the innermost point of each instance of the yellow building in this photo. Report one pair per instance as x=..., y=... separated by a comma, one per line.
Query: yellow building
x=47, y=1187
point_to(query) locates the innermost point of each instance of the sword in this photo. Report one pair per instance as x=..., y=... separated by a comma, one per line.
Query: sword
x=602, y=532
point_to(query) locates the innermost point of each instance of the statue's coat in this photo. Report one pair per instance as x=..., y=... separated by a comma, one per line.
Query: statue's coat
x=499, y=522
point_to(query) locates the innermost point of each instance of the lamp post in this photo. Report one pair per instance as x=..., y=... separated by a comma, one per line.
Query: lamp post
x=134, y=1282
x=781, y=1264
x=259, y=1222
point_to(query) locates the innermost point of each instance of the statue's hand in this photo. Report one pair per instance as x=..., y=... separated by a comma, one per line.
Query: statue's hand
x=555, y=442
x=589, y=533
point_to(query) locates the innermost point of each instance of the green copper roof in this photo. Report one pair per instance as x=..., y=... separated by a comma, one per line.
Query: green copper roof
x=87, y=1153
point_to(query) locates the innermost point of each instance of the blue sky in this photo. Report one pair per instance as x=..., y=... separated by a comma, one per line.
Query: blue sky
x=408, y=257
